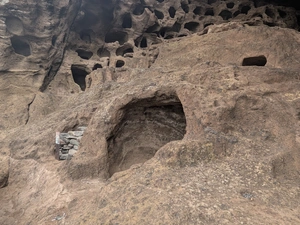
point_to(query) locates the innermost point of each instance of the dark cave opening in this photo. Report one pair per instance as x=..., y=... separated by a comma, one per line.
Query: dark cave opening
x=84, y=54
x=255, y=61
x=144, y=43
x=79, y=72
x=119, y=36
x=209, y=12
x=120, y=63
x=197, y=10
x=85, y=36
x=191, y=26
x=172, y=12
x=97, y=66
x=185, y=7
x=225, y=14
x=230, y=5
x=245, y=9
x=159, y=14
x=103, y=52
x=145, y=126
x=20, y=46
x=127, y=21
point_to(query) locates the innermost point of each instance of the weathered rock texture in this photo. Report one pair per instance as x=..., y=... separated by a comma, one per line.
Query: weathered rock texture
x=191, y=109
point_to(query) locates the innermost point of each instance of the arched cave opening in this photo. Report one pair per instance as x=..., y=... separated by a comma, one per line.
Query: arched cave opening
x=103, y=52
x=144, y=43
x=185, y=7
x=172, y=12
x=97, y=66
x=119, y=36
x=122, y=51
x=159, y=14
x=20, y=46
x=209, y=12
x=79, y=72
x=197, y=10
x=255, y=61
x=84, y=54
x=230, y=5
x=138, y=10
x=53, y=40
x=225, y=14
x=14, y=25
x=245, y=9
x=127, y=21
x=120, y=63
x=146, y=125
x=191, y=26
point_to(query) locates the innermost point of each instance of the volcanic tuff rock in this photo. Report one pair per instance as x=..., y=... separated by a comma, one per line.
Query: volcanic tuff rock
x=191, y=109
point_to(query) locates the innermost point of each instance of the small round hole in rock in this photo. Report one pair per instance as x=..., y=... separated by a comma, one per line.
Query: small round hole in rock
x=230, y=5
x=120, y=63
x=209, y=12
x=84, y=54
x=255, y=61
x=185, y=7
x=225, y=14
x=197, y=10
x=127, y=21
x=172, y=12
x=20, y=46
x=245, y=9
x=191, y=26
x=139, y=10
x=159, y=14
x=144, y=43
x=103, y=52
x=97, y=66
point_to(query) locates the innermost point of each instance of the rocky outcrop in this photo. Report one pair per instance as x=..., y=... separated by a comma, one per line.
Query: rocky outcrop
x=191, y=111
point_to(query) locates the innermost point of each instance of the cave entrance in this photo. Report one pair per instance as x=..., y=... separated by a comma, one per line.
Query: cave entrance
x=79, y=72
x=255, y=61
x=145, y=127
x=20, y=46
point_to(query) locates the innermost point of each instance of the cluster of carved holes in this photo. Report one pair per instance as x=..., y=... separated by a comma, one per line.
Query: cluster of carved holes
x=84, y=54
x=20, y=46
x=255, y=61
x=79, y=72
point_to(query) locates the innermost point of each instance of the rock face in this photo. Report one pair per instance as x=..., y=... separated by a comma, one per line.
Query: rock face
x=191, y=110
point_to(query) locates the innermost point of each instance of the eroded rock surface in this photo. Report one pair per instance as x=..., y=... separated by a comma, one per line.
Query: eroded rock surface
x=191, y=111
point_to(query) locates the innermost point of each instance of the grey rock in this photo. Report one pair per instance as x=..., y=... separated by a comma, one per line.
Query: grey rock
x=81, y=128
x=76, y=133
x=63, y=156
x=74, y=142
x=72, y=152
x=75, y=147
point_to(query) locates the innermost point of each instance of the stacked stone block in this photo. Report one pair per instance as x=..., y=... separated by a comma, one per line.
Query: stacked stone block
x=69, y=143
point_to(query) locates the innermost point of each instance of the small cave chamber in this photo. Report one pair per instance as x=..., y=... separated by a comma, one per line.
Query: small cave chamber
x=79, y=72
x=144, y=127
x=114, y=36
x=84, y=54
x=255, y=61
x=20, y=46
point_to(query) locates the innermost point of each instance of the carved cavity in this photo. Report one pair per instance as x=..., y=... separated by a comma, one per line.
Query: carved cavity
x=127, y=21
x=211, y=1
x=159, y=14
x=282, y=13
x=53, y=40
x=209, y=12
x=230, y=5
x=172, y=12
x=255, y=61
x=197, y=10
x=225, y=14
x=160, y=1
x=145, y=126
x=139, y=10
x=125, y=51
x=245, y=9
x=144, y=43
x=97, y=66
x=84, y=54
x=14, y=25
x=79, y=72
x=185, y=7
x=119, y=36
x=103, y=52
x=120, y=63
x=191, y=26
x=20, y=46
x=269, y=12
